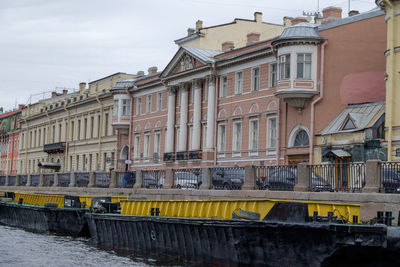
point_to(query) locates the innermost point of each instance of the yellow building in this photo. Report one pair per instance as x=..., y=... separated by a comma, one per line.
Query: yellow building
x=392, y=120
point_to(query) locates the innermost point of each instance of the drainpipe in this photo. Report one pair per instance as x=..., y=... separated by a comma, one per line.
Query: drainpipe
x=214, y=68
x=66, y=137
x=100, y=130
x=321, y=95
x=130, y=125
x=278, y=139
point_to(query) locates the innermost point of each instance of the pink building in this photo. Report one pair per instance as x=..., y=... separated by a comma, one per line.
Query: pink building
x=261, y=104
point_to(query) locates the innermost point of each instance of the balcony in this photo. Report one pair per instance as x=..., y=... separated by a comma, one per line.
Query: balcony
x=298, y=94
x=54, y=148
x=182, y=155
x=196, y=154
x=170, y=156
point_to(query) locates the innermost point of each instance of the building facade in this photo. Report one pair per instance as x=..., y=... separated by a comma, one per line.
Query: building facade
x=9, y=140
x=260, y=104
x=71, y=129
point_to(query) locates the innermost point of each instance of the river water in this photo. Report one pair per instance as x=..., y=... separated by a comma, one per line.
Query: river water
x=22, y=248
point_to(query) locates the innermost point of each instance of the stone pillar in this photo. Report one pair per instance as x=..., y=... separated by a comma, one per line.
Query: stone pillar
x=41, y=179
x=17, y=180
x=196, y=115
x=113, y=182
x=55, y=179
x=372, y=176
x=139, y=179
x=206, y=182
x=169, y=179
x=92, y=179
x=249, y=178
x=303, y=177
x=72, y=182
x=210, y=113
x=7, y=183
x=171, y=120
x=29, y=180
x=183, y=118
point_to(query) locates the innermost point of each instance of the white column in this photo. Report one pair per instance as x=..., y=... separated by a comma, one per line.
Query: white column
x=196, y=115
x=183, y=118
x=210, y=113
x=171, y=120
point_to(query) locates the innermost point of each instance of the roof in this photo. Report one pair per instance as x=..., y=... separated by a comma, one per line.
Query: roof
x=124, y=84
x=339, y=153
x=117, y=73
x=205, y=55
x=302, y=30
x=361, y=114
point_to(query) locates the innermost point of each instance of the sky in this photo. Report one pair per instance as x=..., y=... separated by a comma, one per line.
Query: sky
x=48, y=45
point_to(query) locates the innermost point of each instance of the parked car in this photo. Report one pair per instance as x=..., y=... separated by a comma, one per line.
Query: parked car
x=153, y=180
x=286, y=178
x=227, y=177
x=187, y=180
x=390, y=180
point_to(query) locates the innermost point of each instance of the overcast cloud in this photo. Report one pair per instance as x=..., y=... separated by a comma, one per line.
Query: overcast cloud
x=48, y=44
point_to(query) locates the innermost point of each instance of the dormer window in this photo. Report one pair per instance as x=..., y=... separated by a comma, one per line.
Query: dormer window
x=284, y=67
x=304, y=66
x=348, y=125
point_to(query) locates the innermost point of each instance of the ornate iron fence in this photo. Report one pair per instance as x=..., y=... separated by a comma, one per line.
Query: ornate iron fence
x=276, y=177
x=48, y=179
x=390, y=177
x=2, y=180
x=153, y=178
x=227, y=177
x=64, y=179
x=12, y=179
x=187, y=178
x=102, y=179
x=23, y=179
x=82, y=179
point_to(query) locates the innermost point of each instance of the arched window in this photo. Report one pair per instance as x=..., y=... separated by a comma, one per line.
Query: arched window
x=301, y=139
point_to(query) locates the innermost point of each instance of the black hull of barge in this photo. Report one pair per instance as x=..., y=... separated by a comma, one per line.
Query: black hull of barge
x=235, y=241
x=44, y=220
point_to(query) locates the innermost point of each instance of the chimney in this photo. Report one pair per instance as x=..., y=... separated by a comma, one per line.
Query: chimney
x=298, y=20
x=199, y=25
x=253, y=37
x=226, y=46
x=190, y=31
x=65, y=91
x=20, y=106
x=353, y=12
x=140, y=73
x=258, y=17
x=287, y=21
x=152, y=70
x=82, y=87
x=331, y=14
x=53, y=94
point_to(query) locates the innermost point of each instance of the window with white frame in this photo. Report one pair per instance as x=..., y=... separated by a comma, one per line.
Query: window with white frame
x=223, y=86
x=126, y=107
x=284, y=67
x=253, y=135
x=157, y=143
x=138, y=106
x=146, y=148
x=136, y=149
x=239, y=83
x=115, y=108
x=273, y=75
x=255, y=79
x=159, y=101
x=221, y=137
x=271, y=132
x=301, y=139
x=304, y=66
x=148, y=103
x=237, y=136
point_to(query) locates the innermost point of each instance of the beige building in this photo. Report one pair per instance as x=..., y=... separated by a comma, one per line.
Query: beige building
x=72, y=129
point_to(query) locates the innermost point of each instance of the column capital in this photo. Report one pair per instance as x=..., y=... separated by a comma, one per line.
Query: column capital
x=196, y=83
x=184, y=86
x=211, y=79
x=171, y=90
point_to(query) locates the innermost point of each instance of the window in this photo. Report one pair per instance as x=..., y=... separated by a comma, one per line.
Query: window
x=72, y=131
x=126, y=107
x=98, y=125
x=273, y=75
x=284, y=67
x=59, y=132
x=178, y=133
x=191, y=138
x=349, y=124
x=204, y=136
x=159, y=101
x=106, y=125
x=221, y=137
x=253, y=142
x=271, y=133
x=115, y=108
x=239, y=83
x=91, y=126
x=79, y=130
x=54, y=134
x=146, y=152
x=223, y=86
x=256, y=79
x=136, y=149
x=237, y=136
x=44, y=135
x=138, y=106
x=148, y=104
x=301, y=139
x=157, y=143
x=304, y=66
x=85, y=128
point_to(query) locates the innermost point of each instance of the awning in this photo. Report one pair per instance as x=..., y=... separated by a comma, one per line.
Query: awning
x=49, y=165
x=338, y=153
